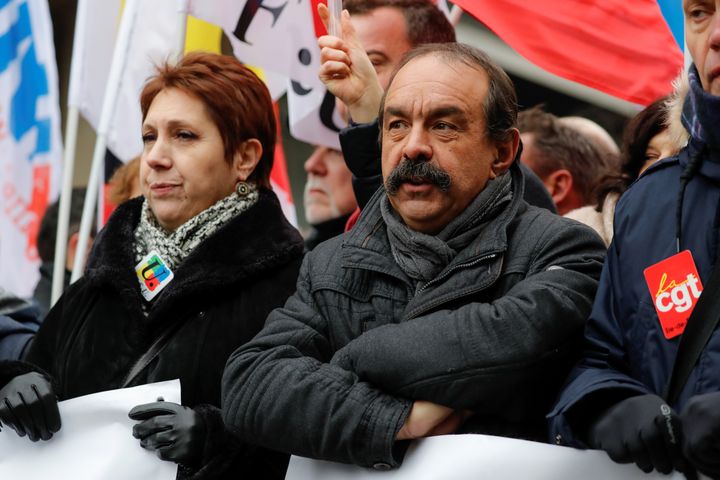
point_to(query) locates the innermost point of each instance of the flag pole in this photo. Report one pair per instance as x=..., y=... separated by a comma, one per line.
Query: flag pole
x=118, y=65
x=61, y=236
x=183, y=11
x=71, y=130
x=455, y=15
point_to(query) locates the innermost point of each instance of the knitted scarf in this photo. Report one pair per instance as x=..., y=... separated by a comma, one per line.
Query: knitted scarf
x=422, y=257
x=174, y=247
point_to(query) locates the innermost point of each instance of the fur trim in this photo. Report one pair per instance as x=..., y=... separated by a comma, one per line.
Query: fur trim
x=235, y=254
x=673, y=110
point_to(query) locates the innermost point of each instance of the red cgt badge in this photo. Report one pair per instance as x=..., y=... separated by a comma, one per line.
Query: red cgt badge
x=675, y=288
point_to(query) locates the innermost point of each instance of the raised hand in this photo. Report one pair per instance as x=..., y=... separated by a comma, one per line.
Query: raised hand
x=347, y=72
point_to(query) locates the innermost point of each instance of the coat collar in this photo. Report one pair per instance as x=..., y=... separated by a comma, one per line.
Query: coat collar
x=251, y=244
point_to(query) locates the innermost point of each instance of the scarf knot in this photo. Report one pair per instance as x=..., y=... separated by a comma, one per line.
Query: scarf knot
x=421, y=256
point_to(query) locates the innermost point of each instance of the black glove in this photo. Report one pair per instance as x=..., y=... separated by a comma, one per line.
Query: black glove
x=29, y=406
x=701, y=426
x=174, y=432
x=641, y=429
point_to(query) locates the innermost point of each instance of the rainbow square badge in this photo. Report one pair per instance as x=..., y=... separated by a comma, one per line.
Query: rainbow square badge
x=154, y=275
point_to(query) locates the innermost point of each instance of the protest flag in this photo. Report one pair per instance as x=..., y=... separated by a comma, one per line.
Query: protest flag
x=625, y=49
x=30, y=144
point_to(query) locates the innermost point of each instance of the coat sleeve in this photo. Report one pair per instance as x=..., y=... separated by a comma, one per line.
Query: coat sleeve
x=491, y=357
x=280, y=392
x=602, y=376
x=361, y=151
x=16, y=331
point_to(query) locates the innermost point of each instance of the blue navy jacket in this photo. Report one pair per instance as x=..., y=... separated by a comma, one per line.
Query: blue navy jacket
x=625, y=349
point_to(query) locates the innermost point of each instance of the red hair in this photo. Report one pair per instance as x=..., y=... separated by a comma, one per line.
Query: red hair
x=237, y=101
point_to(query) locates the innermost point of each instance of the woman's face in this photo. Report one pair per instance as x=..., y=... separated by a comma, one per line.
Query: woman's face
x=183, y=170
x=660, y=146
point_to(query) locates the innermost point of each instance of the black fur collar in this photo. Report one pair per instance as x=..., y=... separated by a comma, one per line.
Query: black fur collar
x=254, y=243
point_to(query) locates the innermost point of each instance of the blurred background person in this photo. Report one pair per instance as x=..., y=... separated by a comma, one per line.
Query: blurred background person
x=328, y=197
x=383, y=32
x=46, y=247
x=569, y=164
x=125, y=182
x=646, y=140
x=179, y=278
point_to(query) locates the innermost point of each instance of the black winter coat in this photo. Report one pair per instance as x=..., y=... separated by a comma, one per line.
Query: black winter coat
x=222, y=294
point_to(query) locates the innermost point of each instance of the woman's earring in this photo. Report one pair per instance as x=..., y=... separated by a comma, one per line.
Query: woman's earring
x=242, y=189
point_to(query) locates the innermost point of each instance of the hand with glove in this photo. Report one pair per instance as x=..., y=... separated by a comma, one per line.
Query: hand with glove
x=174, y=432
x=701, y=427
x=641, y=429
x=29, y=406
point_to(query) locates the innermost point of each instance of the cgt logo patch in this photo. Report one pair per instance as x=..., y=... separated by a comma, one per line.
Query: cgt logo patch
x=675, y=287
x=154, y=275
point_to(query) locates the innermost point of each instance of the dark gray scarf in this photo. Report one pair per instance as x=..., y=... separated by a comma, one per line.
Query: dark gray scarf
x=422, y=257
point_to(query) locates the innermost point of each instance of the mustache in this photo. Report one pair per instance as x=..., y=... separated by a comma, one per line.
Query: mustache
x=417, y=171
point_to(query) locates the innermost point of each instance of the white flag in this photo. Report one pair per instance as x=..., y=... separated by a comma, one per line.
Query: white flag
x=30, y=145
x=279, y=36
x=154, y=33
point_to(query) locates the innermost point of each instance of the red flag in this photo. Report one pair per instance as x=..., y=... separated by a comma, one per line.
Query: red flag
x=621, y=47
x=279, y=175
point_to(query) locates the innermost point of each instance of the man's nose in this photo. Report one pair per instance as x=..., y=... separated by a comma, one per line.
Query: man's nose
x=715, y=31
x=417, y=144
x=315, y=164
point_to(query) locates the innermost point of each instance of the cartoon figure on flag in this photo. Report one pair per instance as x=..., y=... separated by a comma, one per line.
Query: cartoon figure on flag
x=29, y=137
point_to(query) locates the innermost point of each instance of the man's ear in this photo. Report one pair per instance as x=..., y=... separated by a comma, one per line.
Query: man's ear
x=506, y=152
x=559, y=183
x=246, y=158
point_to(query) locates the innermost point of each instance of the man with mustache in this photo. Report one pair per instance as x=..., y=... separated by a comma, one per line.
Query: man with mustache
x=451, y=306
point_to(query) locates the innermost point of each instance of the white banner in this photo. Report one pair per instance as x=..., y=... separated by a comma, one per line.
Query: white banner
x=30, y=145
x=473, y=457
x=95, y=441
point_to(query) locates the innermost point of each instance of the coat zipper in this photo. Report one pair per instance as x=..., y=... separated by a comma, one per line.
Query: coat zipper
x=431, y=306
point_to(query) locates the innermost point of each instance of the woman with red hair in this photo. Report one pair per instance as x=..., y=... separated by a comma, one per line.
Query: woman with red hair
x=178, y=279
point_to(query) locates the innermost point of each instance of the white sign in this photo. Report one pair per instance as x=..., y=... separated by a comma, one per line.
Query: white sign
x=473, y=457
x=95, y=441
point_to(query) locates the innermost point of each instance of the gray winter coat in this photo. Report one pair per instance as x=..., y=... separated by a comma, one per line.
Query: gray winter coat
x=333, y=374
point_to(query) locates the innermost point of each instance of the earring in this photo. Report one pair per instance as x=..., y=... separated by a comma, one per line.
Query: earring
x=242, y=189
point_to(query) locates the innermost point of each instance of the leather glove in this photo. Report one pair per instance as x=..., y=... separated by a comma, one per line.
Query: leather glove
x=174, y=432
x=29, y=406
x=641, y=429
x=701, y=427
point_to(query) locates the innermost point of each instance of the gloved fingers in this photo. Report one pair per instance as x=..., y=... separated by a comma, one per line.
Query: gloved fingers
x=149, y=410
x=616, y=450
x=49, y=404
x=168, y=453
x=657, y=452
x=641, y=456
x=25, y=414
x=159, y=440
x=670, y=427
x=8, y=417
x=153, y=425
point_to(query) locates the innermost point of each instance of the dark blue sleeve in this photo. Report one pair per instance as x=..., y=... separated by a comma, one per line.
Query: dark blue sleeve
x=361, y=150
x=16, y=331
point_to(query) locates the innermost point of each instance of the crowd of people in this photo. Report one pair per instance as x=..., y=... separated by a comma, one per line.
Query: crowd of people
x=472, y=268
